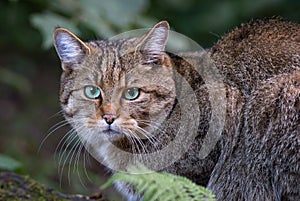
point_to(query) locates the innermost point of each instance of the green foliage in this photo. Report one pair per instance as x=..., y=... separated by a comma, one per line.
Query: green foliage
x=104, y=18
x=14, y=80
x=161, y=186
x=8, y=163
x=47, y=21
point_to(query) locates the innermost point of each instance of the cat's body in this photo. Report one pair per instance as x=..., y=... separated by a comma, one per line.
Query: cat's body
x=261, y=148
x=257, y=156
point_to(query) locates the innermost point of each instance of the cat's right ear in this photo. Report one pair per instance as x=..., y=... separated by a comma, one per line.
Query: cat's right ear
x=154, y=42
x=70, y=49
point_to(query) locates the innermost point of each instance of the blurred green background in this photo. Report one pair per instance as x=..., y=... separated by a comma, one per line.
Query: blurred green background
x=30, y=70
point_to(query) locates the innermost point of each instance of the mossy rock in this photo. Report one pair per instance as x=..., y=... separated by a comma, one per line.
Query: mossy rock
x=18, y=188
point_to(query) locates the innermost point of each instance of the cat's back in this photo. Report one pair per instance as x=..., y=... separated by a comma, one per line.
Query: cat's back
x=257, y=51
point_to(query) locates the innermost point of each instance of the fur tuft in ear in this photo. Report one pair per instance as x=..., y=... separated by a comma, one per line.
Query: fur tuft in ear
x=70, y=49
x=153, y=44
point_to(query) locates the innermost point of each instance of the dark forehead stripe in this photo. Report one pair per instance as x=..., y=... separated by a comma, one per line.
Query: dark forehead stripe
x=111, y=65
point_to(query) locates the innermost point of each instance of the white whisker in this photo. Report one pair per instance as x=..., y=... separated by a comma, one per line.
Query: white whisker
x=67, y=143
x=73, y=151
x=84, y=164
x=52, y=130
x=150, y=137
x=67, y=157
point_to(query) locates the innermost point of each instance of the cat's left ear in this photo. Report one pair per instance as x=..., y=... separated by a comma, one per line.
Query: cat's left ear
x=70, y=49
x=154, y=42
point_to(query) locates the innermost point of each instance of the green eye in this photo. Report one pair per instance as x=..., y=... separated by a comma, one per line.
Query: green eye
x=131, y=93
x=92, y=92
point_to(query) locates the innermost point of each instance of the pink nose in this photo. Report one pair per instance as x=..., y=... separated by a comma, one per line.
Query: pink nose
x=109, y=118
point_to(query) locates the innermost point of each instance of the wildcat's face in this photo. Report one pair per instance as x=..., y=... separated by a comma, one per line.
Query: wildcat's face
x=117, y=90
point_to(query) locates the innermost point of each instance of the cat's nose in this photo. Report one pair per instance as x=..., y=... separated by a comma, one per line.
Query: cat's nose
x=109, y=118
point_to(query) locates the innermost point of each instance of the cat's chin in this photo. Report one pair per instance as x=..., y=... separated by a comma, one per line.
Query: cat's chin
x=113, y=135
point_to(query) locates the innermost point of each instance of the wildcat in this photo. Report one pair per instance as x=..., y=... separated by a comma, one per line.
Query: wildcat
x=124, y=95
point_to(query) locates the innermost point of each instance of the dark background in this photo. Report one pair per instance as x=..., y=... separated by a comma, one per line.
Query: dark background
x=30, y=69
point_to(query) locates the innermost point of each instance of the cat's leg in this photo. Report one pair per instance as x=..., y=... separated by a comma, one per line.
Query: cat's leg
x=273, y=134
x=127, y=191
x=265, y=163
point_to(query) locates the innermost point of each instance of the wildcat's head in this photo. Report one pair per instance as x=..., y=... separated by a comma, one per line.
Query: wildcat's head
x=116, y=91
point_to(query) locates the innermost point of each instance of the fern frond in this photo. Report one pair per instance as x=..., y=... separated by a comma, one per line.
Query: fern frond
x=161, y=186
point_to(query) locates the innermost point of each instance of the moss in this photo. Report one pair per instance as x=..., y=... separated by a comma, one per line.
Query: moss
x=19, y=188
